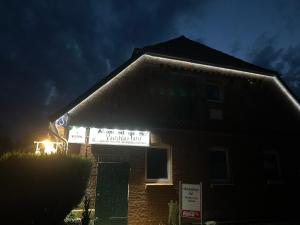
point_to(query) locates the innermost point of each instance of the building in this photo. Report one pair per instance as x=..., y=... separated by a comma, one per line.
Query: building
x=179, y=111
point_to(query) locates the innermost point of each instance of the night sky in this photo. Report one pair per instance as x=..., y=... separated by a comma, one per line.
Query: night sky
x=51, y=51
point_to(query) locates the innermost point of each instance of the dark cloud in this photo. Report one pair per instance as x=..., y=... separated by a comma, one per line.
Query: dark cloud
x=288, y=11
x=267, y=53
x=51, y=51
x=235, y=47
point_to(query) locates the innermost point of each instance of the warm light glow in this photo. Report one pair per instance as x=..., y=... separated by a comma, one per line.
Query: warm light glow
x=46, y=147
x=49, y=147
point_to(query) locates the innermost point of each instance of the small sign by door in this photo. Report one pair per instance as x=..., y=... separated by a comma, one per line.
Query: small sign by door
x=191, y=201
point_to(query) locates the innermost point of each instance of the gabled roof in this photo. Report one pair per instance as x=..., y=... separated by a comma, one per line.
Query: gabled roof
x=95, y=87
x=184, y=48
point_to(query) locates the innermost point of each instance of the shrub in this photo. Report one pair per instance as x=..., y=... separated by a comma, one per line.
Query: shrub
x=86, y=211
x=40, y=189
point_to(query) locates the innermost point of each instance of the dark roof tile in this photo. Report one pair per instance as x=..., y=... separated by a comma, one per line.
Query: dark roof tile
x=185, y=48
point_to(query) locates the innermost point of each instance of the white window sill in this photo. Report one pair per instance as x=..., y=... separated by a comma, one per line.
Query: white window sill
x=221, y=185
x=158, y=184
x=274, y=182
x=215, y=101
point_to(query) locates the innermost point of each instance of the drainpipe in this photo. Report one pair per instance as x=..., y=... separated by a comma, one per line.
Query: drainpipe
x=57, y=135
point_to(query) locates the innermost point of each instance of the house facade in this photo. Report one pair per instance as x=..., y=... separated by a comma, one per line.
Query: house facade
x=181, y=112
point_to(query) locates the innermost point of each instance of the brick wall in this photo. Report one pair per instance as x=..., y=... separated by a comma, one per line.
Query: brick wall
x=248, y=197
x=86, y=151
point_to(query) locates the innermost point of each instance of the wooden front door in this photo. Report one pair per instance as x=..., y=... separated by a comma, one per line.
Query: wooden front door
x=112, y=194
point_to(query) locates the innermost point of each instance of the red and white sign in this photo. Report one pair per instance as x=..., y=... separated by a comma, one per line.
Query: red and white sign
x=190, y=200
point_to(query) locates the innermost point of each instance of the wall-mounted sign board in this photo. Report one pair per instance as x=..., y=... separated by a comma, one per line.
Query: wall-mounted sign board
x=119, y=137
x=191, y=201
x=77, y=135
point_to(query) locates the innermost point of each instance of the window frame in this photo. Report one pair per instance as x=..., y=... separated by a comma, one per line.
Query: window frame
x=279, y=171
x=228, y=179
x=216, y=114
x=220, y=89
x=160, y=181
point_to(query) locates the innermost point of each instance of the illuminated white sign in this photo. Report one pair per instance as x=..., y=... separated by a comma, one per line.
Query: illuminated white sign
x=77, y=135
x=119, y=137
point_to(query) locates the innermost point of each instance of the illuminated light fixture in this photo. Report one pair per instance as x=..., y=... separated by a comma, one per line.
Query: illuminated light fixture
x=119, y=137
x=107, y=84
x=49, y=147
x=193, y=65
x=46, y=147
x=233, y=72
x=287, y=93
x=206, y=67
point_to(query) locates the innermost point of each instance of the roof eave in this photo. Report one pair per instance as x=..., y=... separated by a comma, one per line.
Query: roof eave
x=134, y=57
x=271, y=74
x=98, y=85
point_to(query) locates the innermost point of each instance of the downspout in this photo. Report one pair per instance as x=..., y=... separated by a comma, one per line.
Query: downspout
x=57, y=135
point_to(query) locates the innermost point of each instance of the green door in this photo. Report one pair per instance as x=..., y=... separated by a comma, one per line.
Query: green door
x=112, y=194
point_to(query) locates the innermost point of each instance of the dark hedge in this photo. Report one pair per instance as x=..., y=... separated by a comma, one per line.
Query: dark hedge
x=40, y=189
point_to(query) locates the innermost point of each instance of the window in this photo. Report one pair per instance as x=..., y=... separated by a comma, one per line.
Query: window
x=219, y=165
x=216, y=114
x=213, y=93
x=158, y=165
x=271, y=165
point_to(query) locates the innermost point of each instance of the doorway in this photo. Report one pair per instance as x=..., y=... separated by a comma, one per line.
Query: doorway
x=112, y=194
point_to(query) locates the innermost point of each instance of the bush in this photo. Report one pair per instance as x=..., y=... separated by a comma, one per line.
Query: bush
x=40, y=189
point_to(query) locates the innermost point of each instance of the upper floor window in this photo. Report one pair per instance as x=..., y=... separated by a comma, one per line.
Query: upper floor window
x=216, y=114
x=213, y=93
x=219, y=165
x=271, y=165
x=158, y=165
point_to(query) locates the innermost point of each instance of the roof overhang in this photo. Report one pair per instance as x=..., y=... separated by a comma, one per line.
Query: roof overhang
x=134, y=61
